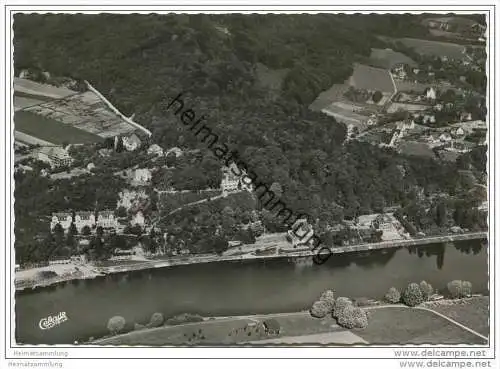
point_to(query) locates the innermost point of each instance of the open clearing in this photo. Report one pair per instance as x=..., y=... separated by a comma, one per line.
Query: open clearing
x=50, y=130
x=473, y=313
x=435, y=48
x=400, y=325
x=371, y=79
x=388, y=58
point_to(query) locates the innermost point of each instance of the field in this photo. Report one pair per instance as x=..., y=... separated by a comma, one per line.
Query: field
x=371, y=79
x=50, y=130
x=170, y=201
x=400, y=325
x=227, y=331
x=435, y=48
x=85, y=111
x=473, y=313
x=387, y=58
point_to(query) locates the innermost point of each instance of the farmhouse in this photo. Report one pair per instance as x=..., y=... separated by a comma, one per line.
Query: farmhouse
x=56, y=156
x=155, y=150
x=132, y=142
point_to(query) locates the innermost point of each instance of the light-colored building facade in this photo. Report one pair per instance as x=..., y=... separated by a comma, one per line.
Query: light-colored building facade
x=56, y=156
x=107, y=219
x=64, y=219
x=138, y=219
x=84, y=218
x=142, y=175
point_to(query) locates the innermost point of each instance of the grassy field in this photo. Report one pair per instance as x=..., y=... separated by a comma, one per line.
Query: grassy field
x=473, y=313
x=51, y=130
x=229, y=331
x=435, y=48
x=399, y=325
x=387, y=58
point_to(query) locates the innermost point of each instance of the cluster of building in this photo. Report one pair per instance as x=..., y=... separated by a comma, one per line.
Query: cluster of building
x=105, y=219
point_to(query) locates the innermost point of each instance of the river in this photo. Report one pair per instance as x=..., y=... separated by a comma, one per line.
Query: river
x=237, y=288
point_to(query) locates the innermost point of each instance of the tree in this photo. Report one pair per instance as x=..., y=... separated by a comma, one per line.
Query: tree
x=329, y=297
x=86, y=231
x=116, y=324
x=393, y=295
x=121, y=212
x=352, y=317
x=377, y=96
x=171, y=159
x=156, y=320
x=319, y=309
x=426, y=289
x=340, y=304
x=412, y=295
x=220, y=245
x=459, y=289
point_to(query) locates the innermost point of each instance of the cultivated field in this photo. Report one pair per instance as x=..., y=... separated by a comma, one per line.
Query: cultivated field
x=50, y=130
x=86, y=112
x=371, y=79
x=40, y=90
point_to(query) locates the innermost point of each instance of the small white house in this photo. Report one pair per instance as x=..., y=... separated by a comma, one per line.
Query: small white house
x=142, y=175
x=106, y=219
x=131, y=143
x=155, y=150
x=83, y=219
x=430, y=93
x=138, y=219
x=445, y=137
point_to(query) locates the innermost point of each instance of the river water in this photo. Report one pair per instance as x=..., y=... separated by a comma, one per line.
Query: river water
x=234, y=288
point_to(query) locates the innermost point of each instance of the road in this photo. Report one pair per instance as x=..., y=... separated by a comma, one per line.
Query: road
x=186, y=260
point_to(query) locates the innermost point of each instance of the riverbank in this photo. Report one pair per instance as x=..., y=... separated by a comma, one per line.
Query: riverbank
x=388, y=324
x=278, y=253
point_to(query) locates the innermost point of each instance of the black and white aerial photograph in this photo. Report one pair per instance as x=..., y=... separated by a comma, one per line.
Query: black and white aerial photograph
x=250, y=179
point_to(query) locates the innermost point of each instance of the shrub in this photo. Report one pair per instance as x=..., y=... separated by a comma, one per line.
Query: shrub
x=138, y=326
x=184, y=318
x=412, y=296
x=466, y=288
x=362, y=301
x=352, y=317
x=426, y=290
x=320, y=309
x=340, y=304
x=393, y=295
x=116, y=324
x=459, y=289
x=156, y=320
x=328, y=297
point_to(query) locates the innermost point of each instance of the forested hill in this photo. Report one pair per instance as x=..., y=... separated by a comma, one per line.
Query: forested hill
x=142, y=61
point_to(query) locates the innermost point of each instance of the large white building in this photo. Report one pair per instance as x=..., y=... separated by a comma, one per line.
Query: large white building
x=142, y=175
x=64, y=219
x=56, y=156
x=84, y=218
x=106, y=219
x=138, y=219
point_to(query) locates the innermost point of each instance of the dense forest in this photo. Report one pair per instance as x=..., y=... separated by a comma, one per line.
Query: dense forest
x=141, y=62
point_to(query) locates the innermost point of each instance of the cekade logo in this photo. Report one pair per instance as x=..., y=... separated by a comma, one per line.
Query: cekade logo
x=52, y=321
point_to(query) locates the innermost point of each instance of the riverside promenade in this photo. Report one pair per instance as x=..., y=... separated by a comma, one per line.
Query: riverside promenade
x=187, y=260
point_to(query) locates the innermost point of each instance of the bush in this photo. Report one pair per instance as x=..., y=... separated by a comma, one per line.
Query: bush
x=412, y=296
x=138, y=326
x=184, y=318
x=328, y=297
x=116, y=324
x=156, y=320
x=459, y=289
x=426, y=290
x=340, y=304
x=320, y=309
x=393, y=295
x=352, y=317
